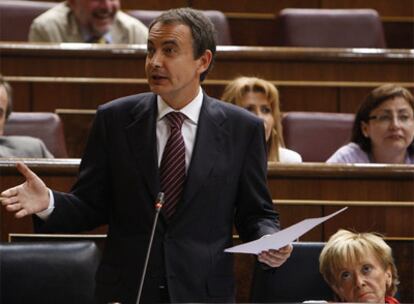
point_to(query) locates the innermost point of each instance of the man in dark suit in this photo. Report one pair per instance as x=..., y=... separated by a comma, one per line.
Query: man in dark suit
x=223, y=158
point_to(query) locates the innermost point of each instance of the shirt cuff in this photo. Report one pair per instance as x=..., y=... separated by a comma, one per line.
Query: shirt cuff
x=44, y=215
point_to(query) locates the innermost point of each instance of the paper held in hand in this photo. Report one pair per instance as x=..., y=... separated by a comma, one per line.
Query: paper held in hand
x=281, y=238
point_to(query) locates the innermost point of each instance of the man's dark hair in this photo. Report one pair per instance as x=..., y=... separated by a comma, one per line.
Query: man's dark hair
x=9, y=92
x=202, y=30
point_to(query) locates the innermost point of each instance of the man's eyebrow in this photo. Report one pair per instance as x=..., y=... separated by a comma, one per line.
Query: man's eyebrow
x=166, y=42
x=171, y=41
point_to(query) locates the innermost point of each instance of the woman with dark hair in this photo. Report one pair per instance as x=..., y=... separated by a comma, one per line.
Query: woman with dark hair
x=383, y=130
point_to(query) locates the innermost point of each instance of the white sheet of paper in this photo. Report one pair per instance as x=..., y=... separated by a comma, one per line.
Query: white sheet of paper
x=283, y=237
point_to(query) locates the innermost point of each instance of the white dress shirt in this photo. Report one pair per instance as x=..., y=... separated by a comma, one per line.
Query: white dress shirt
x=189, y=131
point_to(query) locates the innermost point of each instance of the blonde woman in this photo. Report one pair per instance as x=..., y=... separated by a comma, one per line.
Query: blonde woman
x=359, y=267
x=262, y=99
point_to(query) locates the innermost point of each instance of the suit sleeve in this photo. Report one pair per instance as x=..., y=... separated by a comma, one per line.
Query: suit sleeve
x=86, y=206
x=255, y=216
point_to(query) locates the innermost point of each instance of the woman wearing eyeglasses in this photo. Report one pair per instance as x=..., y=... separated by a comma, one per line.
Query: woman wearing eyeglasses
x=383, y=130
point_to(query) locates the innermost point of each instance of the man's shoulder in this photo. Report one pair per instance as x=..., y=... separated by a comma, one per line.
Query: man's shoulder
x=131, y=24
x=231, y=111
x=19, y=140
x=57, y=13
x=129, y=102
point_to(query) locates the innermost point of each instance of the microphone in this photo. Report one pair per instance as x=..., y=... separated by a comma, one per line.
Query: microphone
x=158, y=205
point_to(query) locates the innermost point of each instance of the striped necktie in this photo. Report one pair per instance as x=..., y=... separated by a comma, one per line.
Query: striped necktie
x=172, y=169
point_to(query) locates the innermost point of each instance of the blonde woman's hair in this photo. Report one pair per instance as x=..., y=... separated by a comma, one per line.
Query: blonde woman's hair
x=239, y=87
x=346, y=247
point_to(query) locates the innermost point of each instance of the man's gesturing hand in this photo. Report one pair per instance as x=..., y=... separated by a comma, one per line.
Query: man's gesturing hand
x=28, y=198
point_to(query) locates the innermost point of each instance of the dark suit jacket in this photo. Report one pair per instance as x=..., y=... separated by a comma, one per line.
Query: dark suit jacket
x=119, y=182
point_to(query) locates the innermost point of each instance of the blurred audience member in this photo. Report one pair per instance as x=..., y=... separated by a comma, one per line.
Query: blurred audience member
x=16, y=146
x=92, y=21
x=383, y=130
x=262, y=99
x=359, y=267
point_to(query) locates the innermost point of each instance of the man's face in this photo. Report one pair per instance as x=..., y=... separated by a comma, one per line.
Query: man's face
x=172, y=71
x=3, y=108
x=95, y=15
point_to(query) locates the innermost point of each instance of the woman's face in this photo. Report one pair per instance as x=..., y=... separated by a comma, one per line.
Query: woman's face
x=257, y=103
x=365, y=281
x=391, y=126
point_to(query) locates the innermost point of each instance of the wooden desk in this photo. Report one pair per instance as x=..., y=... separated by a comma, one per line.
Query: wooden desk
x=254, y=22
x=380, y=198
x=36, y=93
x=273, y=63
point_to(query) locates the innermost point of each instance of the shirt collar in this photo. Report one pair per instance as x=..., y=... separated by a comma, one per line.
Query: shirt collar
x=191, y=110
x=87, y=36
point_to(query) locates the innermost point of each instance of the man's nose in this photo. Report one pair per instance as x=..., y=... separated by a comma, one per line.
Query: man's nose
x=155, y=60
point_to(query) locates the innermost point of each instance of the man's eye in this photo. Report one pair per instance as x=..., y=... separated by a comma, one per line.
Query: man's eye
x=169, y=50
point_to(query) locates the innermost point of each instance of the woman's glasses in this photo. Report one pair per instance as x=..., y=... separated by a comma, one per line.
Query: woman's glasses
x=387, y=119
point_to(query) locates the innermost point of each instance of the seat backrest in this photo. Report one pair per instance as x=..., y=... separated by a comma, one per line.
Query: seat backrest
x=297, y=280
x=48, y=272
x=330, y=28
x=316, y=135
x=16, y=17
x=217, y=17
x=44, y=125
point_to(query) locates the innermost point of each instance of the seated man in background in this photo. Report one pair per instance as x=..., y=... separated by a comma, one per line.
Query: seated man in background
x=383, y=130
x=90, y=21
x=16, y=146
x=359, y=267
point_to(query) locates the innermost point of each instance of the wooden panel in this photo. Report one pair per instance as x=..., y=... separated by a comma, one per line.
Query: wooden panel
x=403, y=252
x=384, y=7
x=399, y=34
x=317, y=188
x=76, y=125
x=51, y=93
x=248, y=6
x=250, y=30
x=392, y=215
x=22, y=96
x=154, y=4
x=347, y=184
x=267, y=62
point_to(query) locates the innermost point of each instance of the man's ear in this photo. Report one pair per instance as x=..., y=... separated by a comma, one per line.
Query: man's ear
x=205, y=61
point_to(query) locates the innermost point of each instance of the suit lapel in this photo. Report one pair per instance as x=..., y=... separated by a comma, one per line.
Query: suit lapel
x=208, y=146
x=141, y=135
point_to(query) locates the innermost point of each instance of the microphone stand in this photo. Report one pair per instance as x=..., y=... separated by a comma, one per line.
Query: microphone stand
x=158, y=205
